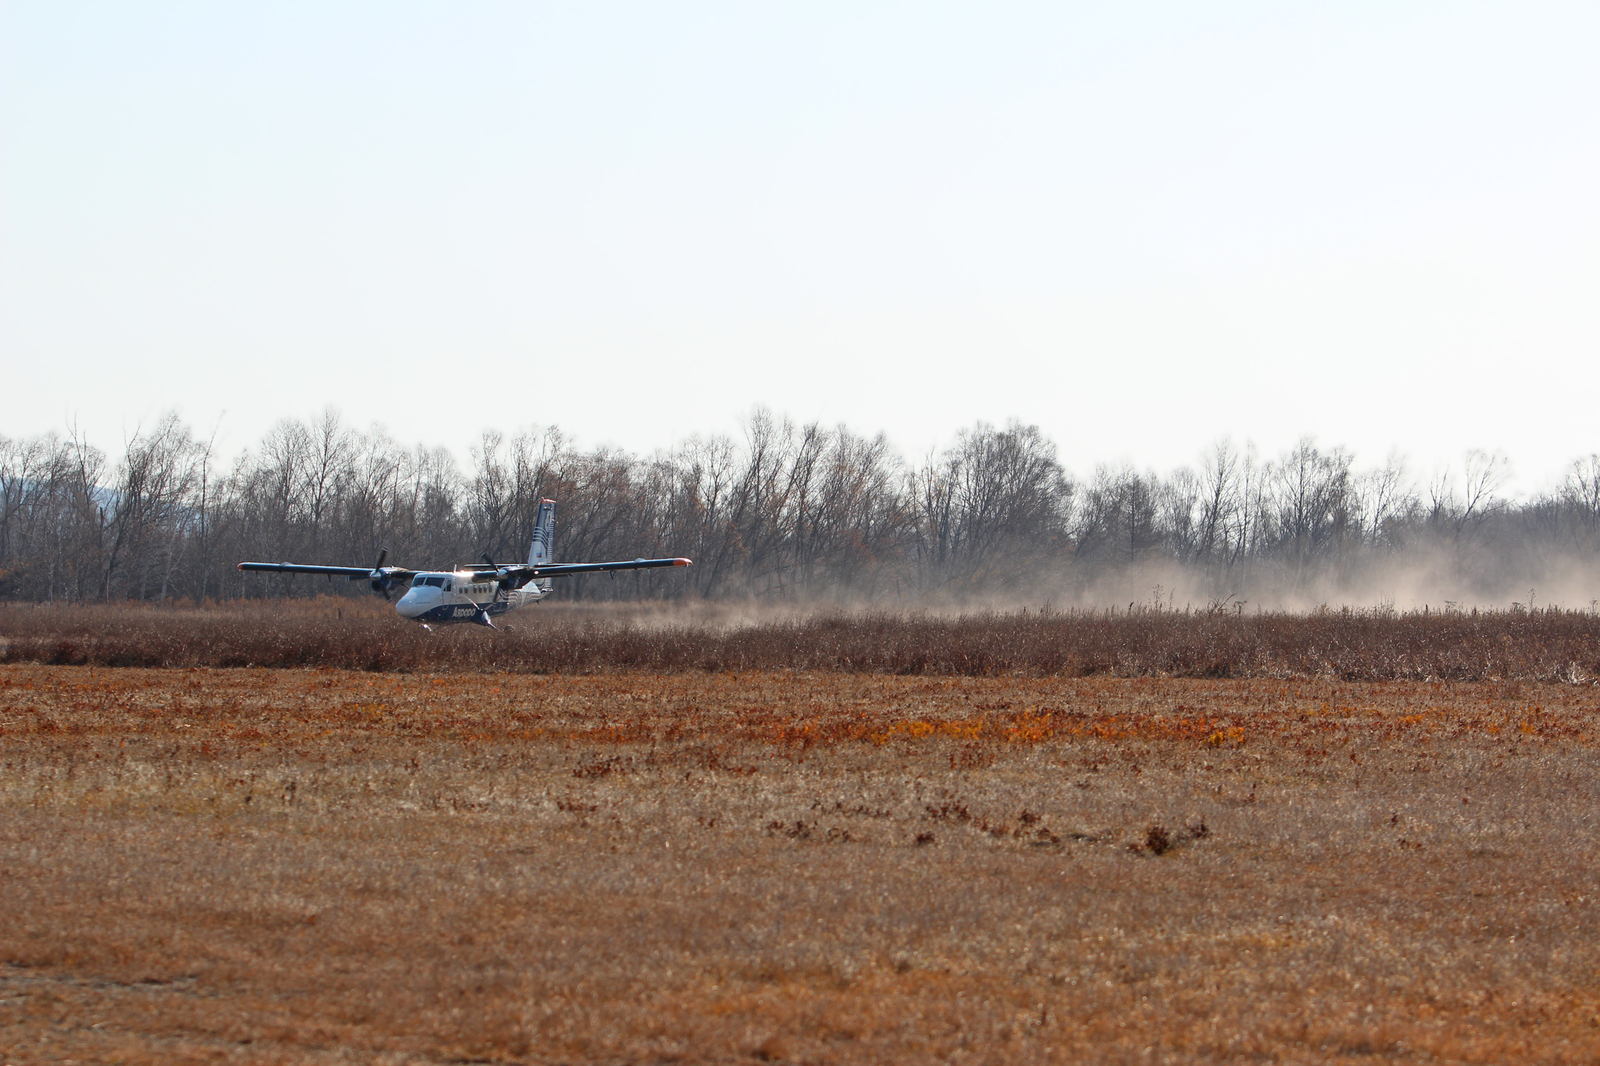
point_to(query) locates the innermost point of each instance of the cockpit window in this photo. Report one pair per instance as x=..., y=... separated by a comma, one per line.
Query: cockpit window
x=418, y=581
x=436, y=582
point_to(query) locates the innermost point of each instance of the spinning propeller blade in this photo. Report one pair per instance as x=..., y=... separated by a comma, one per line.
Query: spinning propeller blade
x=380, y=580
x=502, y=579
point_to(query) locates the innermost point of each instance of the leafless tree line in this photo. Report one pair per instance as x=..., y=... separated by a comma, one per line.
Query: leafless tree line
x=784, y=512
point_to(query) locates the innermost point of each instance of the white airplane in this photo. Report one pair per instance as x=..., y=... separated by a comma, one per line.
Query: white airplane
x=474, y=593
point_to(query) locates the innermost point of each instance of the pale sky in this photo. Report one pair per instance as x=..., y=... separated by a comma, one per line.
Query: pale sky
x=1140, y=226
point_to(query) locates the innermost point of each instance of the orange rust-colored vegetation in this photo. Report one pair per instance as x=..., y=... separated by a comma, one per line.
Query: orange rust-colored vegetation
x=325, y=865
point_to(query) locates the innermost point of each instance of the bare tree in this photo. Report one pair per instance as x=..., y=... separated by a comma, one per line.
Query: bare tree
x=1313, y=495
x=992, y=509
x=158, y=473
x=1456, y=514
x=1580, y=491
x=1383, y=498
x=1219, y=501
x=1118, y=523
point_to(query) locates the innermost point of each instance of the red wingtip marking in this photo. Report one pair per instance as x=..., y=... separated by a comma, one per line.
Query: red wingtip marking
x=683, y=562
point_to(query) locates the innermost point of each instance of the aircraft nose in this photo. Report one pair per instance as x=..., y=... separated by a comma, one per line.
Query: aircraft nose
x=410, y=605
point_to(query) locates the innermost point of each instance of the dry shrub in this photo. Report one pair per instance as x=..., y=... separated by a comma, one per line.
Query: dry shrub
x=1157, y=840
x=1543, y=645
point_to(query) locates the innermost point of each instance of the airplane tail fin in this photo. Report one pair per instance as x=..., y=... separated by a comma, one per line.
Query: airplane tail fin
x=542, y=550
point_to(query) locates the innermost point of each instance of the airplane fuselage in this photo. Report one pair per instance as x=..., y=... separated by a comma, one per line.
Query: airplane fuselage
x=444, y=597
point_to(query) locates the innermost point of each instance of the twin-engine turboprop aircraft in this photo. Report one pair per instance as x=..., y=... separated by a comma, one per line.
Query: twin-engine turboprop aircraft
x=474, y=593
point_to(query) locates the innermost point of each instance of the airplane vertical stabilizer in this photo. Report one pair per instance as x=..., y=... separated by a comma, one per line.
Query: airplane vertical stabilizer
x=542, y=551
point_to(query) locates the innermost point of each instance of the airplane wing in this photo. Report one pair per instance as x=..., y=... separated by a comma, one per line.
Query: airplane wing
x=390, y=576
x=516, y=575
x=351, y=572
x=524, y=572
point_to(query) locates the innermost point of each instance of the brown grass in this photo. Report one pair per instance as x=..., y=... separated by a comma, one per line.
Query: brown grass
x=322, y=865
x=1542, y=645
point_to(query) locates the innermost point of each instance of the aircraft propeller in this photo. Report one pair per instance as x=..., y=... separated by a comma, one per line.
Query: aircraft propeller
x=380, y=580
x=502, y=578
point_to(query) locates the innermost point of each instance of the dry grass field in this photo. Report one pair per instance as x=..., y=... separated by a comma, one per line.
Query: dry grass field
x=363, y=634
x=319, y=865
